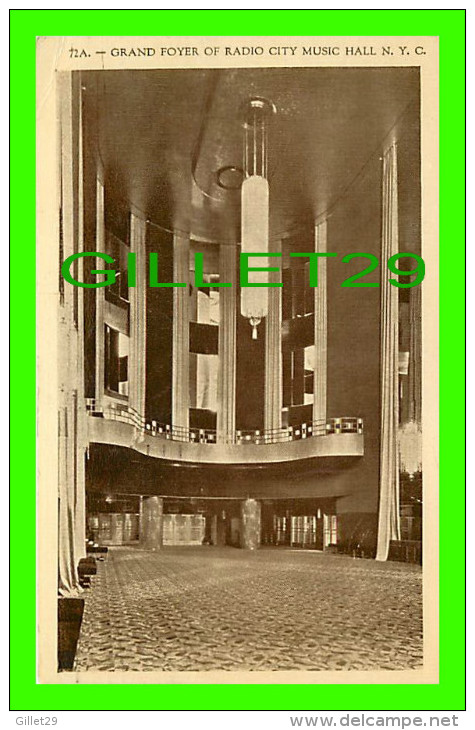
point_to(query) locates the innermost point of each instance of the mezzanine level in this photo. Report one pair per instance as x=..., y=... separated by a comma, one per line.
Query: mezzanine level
x=121, y=425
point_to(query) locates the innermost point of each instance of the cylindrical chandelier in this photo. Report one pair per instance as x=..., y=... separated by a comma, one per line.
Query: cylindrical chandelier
x=255, y=210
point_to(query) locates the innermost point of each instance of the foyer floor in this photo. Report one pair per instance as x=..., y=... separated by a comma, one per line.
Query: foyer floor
x=209, y=608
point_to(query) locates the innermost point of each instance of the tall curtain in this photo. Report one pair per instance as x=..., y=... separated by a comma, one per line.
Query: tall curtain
x=81, y=441
x=415, y=356
x=71, y=495
x=410, y=435
x=388, y=519
x=68, y=582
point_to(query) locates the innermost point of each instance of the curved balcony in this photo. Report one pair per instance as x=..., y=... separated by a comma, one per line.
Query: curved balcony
x=120, y=425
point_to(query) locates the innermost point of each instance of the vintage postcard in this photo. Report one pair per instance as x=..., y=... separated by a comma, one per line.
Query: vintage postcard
x=237, y=359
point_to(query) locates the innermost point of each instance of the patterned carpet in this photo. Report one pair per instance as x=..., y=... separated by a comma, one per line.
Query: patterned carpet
x=274, y=609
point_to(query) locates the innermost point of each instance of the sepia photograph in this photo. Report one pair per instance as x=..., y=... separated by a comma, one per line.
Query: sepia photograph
x=238, y=374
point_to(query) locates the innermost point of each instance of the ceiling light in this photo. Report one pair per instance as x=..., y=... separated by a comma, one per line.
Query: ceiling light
x=255, y=210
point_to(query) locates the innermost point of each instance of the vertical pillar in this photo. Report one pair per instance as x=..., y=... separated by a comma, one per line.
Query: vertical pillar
x=221, y=528
x=320, y=294
x=273, y=351
x=214, y=529
x=250, y=524
x=100, y=296
x=388, y=518
x=151, y=523
x=138, y=317
x=226, y=416
x=181, y=336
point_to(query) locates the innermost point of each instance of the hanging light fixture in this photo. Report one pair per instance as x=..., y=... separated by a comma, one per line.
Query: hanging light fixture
x=255, y=209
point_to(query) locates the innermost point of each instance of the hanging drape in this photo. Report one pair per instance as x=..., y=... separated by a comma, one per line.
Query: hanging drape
x=415, y=356
x=81, y=441
x=206, y=382
x=68, y=557
x=388, y=518
x=181, y=329
x=71, y=438
x=410, y=435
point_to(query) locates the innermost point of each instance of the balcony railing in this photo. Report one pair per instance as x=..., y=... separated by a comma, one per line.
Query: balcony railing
x=125, y=414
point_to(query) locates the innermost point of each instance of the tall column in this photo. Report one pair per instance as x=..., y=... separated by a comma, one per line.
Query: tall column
x=388, y=519
x=100, y=295
x=226, y=416
x=151, y=523
x=250, y=524
x=137, y=317
x=320, y=294
x=181, y=332
x=273, y=351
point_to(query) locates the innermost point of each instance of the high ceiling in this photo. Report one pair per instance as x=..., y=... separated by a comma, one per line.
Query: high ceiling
x=162, y=136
